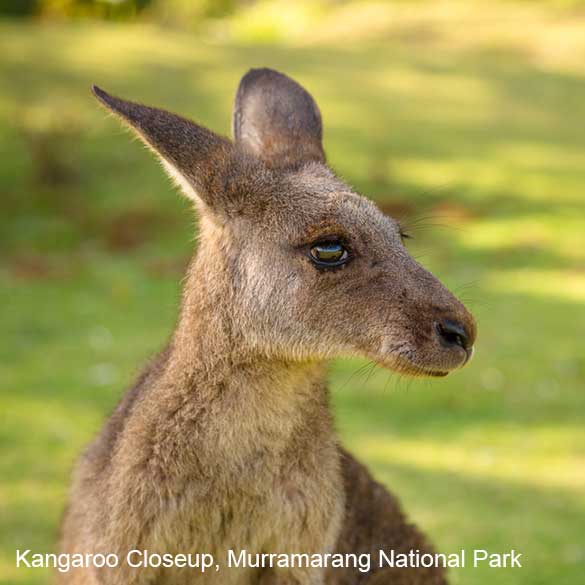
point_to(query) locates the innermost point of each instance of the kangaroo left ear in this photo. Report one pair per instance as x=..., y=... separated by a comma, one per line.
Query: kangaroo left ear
x=277, y=120
x=196, y=158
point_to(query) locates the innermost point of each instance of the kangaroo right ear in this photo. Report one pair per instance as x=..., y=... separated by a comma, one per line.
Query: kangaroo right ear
x=277, y=120
x=197, y=159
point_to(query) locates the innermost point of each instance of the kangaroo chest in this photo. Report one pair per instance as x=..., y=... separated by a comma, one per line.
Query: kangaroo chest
x=257, y=474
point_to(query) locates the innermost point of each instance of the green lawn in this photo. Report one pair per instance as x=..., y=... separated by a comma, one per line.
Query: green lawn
x=475, y=136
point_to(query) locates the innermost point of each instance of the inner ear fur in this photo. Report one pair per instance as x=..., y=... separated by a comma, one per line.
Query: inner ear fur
x=277, y=120
x=200, y=161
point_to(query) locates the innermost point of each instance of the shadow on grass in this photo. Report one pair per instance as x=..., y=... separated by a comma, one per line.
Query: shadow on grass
x=470, y=512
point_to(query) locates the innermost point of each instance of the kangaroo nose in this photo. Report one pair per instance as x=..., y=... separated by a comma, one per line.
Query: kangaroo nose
x=451, y=333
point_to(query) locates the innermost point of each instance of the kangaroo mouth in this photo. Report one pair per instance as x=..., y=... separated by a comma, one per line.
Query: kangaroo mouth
x=411, y=369
x=435, y=373
x=404, y=365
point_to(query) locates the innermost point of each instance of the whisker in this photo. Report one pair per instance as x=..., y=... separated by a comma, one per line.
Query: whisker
x=369, y=374
x=357, y=372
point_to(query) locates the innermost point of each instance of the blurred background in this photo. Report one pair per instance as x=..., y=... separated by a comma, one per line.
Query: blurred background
x=465, y=119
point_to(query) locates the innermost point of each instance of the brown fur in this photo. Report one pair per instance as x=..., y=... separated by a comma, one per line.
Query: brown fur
x=227, y=441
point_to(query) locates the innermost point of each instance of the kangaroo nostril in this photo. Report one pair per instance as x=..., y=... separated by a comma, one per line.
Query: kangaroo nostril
x=452, y=333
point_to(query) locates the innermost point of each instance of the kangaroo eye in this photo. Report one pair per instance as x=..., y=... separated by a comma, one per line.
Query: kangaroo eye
x=326, y=254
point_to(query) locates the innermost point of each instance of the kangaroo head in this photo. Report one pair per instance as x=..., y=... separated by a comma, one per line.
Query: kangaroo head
x=311, y=269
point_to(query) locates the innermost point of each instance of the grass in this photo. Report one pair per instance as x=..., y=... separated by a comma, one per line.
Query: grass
x=475, y=139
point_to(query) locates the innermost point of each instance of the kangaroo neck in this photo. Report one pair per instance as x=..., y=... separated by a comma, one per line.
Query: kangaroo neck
x=210, y=354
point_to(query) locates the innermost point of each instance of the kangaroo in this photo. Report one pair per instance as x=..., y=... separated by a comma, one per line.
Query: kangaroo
x=226, y=441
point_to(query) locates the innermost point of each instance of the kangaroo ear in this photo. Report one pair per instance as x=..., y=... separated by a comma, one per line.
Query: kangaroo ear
x=194, y=157
x=277, y=120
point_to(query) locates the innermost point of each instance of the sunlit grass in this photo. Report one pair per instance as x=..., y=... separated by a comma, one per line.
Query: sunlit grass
x=497, y=454
x=544, y=283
